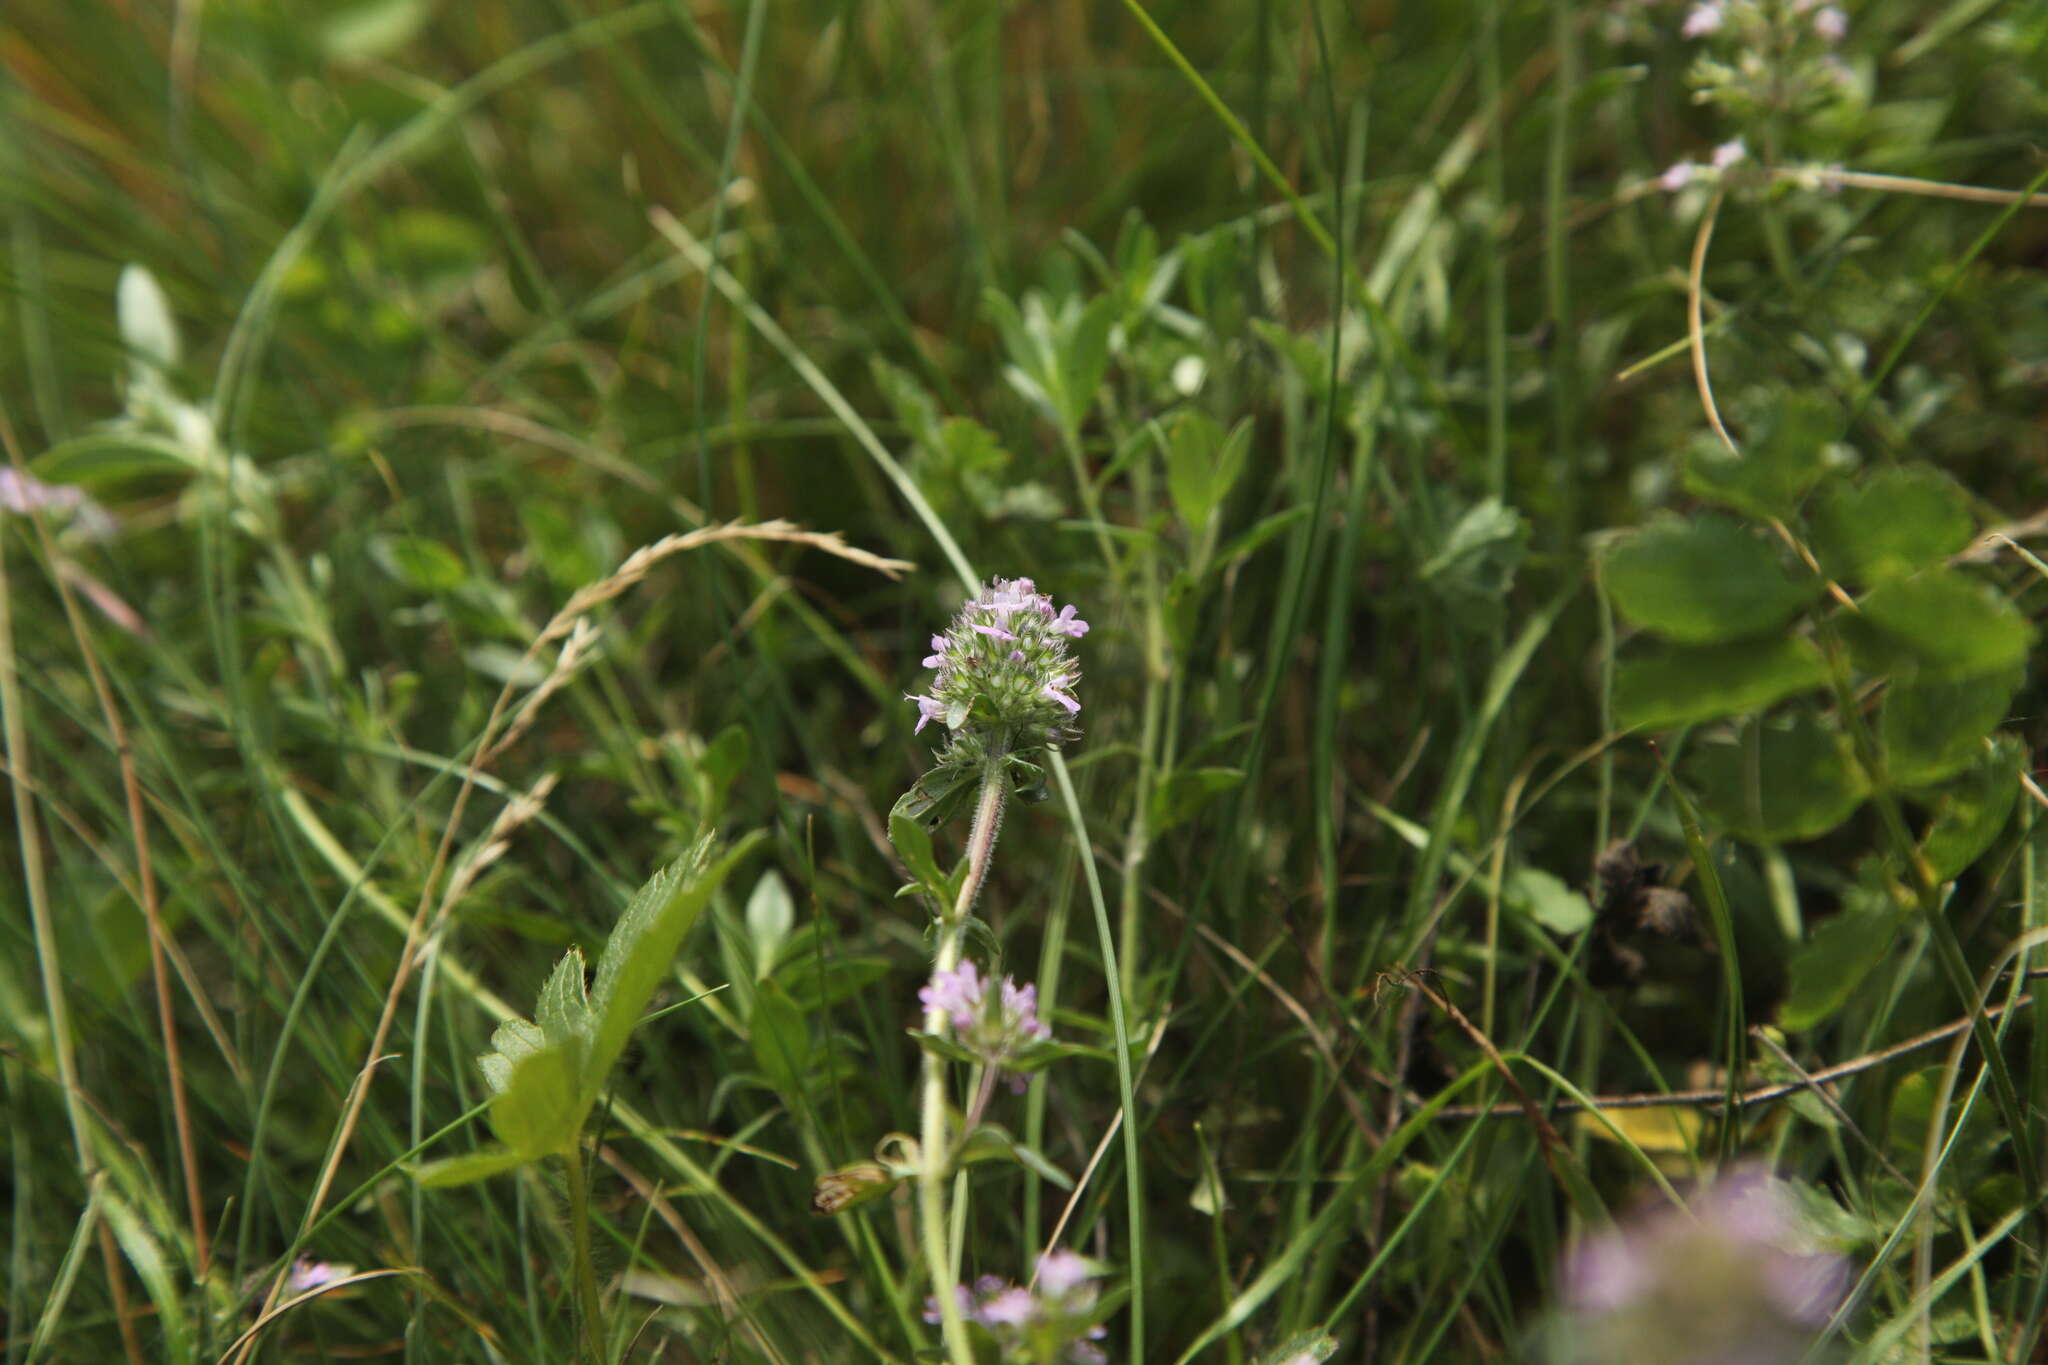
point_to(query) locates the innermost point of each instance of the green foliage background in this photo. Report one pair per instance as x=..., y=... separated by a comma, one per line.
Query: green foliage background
x=1394, y=570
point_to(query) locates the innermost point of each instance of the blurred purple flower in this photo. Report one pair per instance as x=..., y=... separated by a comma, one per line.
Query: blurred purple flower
x=1677, y=176
x=1738, y=1278
x=23, y=494
x=995, y=1031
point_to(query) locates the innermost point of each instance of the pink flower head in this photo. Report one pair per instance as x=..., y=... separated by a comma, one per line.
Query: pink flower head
x=1703, y=19
x=958, y=994
x=976, y=687
x=1831, y=24
x=1677, y=176
x=1728, y=153
x=1739, y=1275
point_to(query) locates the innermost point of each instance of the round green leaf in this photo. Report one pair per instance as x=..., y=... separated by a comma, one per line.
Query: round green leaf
x=1953, y=625
x=1932, y=726
x=1895, y=522
x=1702, y=582
x=1779, y=784
x=1674, y=686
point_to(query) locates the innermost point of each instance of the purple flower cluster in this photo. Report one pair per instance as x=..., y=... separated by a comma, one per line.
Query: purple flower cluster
x=1051, y=1320
x=1739, y=1278
x=1005, y=663
x=994, y=1028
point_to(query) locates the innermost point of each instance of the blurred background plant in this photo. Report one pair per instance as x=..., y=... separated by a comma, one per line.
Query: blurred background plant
x=1306, y=348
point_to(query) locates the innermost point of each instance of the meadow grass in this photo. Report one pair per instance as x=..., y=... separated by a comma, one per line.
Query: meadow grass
x=1554, y=490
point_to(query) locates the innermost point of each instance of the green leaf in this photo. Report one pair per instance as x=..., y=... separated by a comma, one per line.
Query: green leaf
x=1779, y=784
x=1703, y=581
x=1475, y=566
x=1202, y=463
x=467, y=1168
x=1084, y=359
x=910, y=402
x=1973, y=808
x=1952, y=624
x=1545, y=898
x=641, y=951
x=1675, y=686
x=940, y=795
x=1932, y=727
x=1827, y=969
x=782, y=1041
x=914, y=846
x=1185, y=791
x=1897, y=521
x=540, y=1108
x=1785, y=454
x=1249, y=542
x=421, y=564
x=723, y=760
x=563, y=1011
x=1314, y=1346
x=993, y=1142
x=771, y=914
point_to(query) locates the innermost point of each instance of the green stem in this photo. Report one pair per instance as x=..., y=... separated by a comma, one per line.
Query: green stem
x=934, y=1146
x=590, y=1305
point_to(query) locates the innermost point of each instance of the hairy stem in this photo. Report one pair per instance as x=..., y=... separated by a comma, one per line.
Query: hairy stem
x=935, y=1148
x=590, y=1306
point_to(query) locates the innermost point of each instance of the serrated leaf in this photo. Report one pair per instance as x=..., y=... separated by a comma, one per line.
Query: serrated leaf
x=1675, y=685
x=467, y=1168
x=1932, y=727
x=1785, y=454
x=1545, y=898
x=1800, y=782
x=1702, y=582
x=1972, y=809
x=1827, y=969
x=563, y=1010
x=641, y=951
x=1953, y=625
x=1895, y=522
x=771, y=914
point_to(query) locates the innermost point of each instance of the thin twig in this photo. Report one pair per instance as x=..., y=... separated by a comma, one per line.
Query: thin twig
x=1763, y=1094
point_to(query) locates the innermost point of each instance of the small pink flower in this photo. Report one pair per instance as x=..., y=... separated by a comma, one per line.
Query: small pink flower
x=1728, y=153
x=1677, y=176
x=1831, y=24
x=1702, y=19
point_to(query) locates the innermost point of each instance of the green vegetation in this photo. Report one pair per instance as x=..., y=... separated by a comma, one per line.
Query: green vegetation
x=1552, y=494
